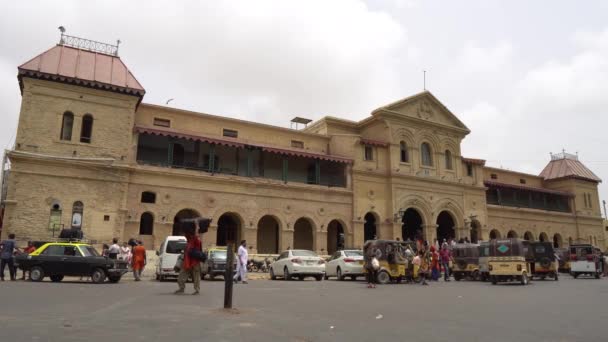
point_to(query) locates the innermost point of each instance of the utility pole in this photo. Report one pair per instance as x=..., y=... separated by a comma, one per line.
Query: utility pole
x=228, y=281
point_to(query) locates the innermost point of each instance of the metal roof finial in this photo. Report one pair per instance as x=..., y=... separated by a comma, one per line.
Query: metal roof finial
x=117, y=46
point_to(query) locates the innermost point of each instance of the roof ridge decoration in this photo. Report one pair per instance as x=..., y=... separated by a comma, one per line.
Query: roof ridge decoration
x=89, y=45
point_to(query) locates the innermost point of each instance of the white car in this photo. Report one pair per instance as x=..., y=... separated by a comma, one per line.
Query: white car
x=298, y=263
x=169, y=250
x=345, y=263
x=586, y=260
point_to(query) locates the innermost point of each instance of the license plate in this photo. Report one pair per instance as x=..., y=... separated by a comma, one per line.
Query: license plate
x=310, y=262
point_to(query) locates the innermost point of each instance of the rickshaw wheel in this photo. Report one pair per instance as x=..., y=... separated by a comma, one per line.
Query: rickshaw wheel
x=383, y=278
x=597, y=275
x=494, y=280
x=524, y=279
x=476, y=276
x=556, y=277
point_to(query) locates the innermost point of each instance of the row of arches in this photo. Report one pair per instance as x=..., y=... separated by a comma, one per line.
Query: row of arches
x=557, y=239
x=269, y=231
x=426, y=155
x=86, y=128
x=413, y=224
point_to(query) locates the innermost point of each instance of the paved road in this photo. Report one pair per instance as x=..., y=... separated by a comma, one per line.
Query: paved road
x=568, y=310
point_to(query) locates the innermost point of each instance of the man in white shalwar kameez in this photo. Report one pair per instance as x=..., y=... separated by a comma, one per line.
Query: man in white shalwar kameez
x=241, y=264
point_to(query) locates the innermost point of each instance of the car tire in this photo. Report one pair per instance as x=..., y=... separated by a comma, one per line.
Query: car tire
x=158, y=277
x=457, y=276
x=597, y=275
x=353, y=278
x=301, y=277
x=326, y=277
x=319, y=277
x=114, y=279
x=476, y=276
x=286, y=275
x=524, y=279
x=575, y=275
x=383, y=278
x=56, y=278
x=211, y=277
x=36, y=273
x=272, y=275
x=98, y=276
x=494, y=280
x=339, y=274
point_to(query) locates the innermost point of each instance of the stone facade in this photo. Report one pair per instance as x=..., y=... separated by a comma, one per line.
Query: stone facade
x=404, y=175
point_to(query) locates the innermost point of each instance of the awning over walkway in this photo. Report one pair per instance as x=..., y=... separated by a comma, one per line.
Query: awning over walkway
x=527, y=188
x=240, y=144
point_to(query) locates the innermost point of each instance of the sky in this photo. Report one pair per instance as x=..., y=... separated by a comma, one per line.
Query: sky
x=527, y=77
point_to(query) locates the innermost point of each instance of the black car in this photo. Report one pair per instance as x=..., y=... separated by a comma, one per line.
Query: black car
x=59, y=259
x=216, y=263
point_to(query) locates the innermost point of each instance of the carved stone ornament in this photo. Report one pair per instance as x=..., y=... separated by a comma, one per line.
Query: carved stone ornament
x=166, y=199
x=424, y=110
x=211, y=202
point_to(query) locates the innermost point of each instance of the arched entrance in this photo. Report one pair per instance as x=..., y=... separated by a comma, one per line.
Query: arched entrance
x=303, y=235
x=228, y=229
x=369, y=228
x=335, y=237
x=475, y=231
x=494, y=234
x=529, y=236
x=445, y=227
x=557, y=241
x=268, y=235
x=512, y=234
x=543, y=237
x=182, y=214
x=412, y=225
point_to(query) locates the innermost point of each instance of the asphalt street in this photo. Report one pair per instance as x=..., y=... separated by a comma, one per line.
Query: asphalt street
x=568, y=310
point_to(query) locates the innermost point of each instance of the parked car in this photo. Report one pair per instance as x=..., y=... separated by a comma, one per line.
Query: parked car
x=168, y=252
x=216, y=263
x=586, y=260
x=298, y=263
x=59, y=259
x=345, y=263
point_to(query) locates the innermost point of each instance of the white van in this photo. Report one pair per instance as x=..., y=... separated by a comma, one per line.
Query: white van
x=169, y=250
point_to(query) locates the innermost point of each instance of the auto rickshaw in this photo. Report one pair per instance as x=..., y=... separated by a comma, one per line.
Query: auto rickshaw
x=484, y=253
x=544, y=261
x=507, y=261
x=586, y=259
x=466, y=261
x=392, y=258
x=564, y=259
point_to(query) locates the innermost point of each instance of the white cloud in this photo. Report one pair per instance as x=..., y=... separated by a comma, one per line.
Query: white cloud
x=475, y=58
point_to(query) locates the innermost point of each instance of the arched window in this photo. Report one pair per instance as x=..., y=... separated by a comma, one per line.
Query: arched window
x=148, y=197
x=87, y=129
x=66, y=126
x=146, y=224
x=425, y=151
x=403, y=152
x=77, y=210
x=448, y=159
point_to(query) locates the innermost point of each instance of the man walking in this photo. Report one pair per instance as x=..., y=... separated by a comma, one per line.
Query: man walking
x=139, y=260
x=7, y=248
x=241, y=265
x=114, y=249
x=191, y=266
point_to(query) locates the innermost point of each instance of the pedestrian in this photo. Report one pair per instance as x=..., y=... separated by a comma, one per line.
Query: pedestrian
x=191, y=265
x=125, y=253
x=371, y=265
x=104, y=249
x=435, y=268
x=424, y=267
x=7, y=250
x=445, y=257
x=241, y=264
x=29, y=249
x=139, y=260
x=114, y=249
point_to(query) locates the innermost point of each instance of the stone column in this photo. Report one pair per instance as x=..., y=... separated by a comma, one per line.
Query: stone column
x=210, y=237
x=430, y=232
x=461, y=232
x=397, y=226
x=286, y=237
x=358, y=231
x=250, y=234
x=321, y=241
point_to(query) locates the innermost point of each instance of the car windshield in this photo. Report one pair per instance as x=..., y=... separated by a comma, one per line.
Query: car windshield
x=176, y=246
x=88, y=251
x=219, y=255
x=353, y=253
x=302, y=253
x=540, y=249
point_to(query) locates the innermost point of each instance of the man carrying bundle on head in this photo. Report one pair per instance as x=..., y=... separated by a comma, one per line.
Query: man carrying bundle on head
x=193, y=254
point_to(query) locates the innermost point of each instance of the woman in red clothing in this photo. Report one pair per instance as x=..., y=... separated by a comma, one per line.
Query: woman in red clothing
x=139, y=260
x=434, y=264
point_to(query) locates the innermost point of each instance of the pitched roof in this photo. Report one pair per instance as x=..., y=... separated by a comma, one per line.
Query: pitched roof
x=566, y=165
x=67, y=64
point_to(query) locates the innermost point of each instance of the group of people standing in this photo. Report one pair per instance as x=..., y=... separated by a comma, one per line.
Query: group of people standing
x=132, y=251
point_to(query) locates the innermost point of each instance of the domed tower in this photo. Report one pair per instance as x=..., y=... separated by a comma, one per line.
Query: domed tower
x=73, y=143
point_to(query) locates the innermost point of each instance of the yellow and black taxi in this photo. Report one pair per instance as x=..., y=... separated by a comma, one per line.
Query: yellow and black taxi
x=466, y=261
x=58, y=259
x=508, y=261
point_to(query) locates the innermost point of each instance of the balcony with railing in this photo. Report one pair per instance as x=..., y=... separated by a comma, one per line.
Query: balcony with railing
x=527, y=197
